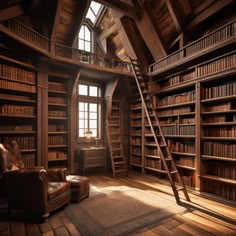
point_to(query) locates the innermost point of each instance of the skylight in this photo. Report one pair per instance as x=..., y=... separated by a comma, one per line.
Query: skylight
x=93, y=11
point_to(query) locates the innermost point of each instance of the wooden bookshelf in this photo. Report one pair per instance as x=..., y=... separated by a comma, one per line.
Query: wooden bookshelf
x=57, y=121
x=136, y=131
x=196, y=107
x=18, y=108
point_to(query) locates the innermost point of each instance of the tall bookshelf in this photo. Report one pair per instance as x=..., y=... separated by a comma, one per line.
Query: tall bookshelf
x=57, y=121
x=18, y=107
x=136, y=130
x=176, y=109
x=218, y=123
x=196, y=107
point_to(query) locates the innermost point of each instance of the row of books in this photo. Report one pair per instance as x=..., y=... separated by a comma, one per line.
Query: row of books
x=57, y=100
x=217, y=65
x=136, y=150
x=54, y=86
x=224, y=90
x=28, y=160
x=220, y=106
x=55, y=128
x=151, y=163
x=229, y=131
x=153, y=151
x=175, y=99
x=17, y=110
x=57, y=114
x=10, y=128
x=215, y=119
x=222, y=169
x=135, y=140
x=188, y=180
x=23, y=142
x=56, y=140
x=53, y=155
x=227, y=191
x=4, y=84
x=175, y=111
x=219, y=149
x=14, y=73
x=135, y=160
x=185, y=161
x=181, y=146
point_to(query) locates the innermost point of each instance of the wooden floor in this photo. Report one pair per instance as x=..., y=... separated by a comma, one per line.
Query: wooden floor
x=203, y=216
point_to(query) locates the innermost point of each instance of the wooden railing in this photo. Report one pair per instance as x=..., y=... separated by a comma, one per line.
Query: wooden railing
x=220, y=35
x=91, y=58
x=28, y=34
x=44, y=43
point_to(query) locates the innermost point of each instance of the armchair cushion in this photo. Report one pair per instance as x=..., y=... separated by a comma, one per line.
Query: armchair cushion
x=57, y=188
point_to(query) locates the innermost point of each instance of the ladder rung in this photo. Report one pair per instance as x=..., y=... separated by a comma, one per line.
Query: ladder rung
x=124, y=170
x=168, y=159
x=179, y=188
x=174, y=172
x=118, y=163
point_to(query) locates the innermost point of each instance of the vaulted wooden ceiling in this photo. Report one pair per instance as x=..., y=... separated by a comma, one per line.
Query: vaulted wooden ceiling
x=146, y=29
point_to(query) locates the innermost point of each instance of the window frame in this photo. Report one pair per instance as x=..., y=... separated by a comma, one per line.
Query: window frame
x=84, y=40
x=91, y=99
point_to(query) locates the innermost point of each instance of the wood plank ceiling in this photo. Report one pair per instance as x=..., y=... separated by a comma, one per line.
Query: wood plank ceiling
x=148, y=29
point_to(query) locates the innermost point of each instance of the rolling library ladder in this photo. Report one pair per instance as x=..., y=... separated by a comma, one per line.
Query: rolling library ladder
x=168, y=163
x=114, y=140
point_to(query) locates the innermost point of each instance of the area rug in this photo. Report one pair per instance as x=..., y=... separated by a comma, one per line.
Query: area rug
x=120, y=210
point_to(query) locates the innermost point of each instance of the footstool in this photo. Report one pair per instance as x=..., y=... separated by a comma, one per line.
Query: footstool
x=79, y=187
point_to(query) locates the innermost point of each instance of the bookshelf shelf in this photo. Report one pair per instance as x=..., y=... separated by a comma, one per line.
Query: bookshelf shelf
x=206, y=157
x=18, y=107
x=184, y=154
x=186, y=167
x=58, y=147
x=219, y=179
x=175, y=105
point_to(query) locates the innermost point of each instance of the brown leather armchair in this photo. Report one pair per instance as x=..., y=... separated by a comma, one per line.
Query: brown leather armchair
x=35, y=191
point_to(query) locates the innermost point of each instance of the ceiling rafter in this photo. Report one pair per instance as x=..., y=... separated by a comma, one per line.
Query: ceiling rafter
x=126, y=9
x=56, y=19
x=11, y=12
x=171, y=5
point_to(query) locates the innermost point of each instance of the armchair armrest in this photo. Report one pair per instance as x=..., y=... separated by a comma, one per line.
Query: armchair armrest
x=57, y=174
x=26, y=189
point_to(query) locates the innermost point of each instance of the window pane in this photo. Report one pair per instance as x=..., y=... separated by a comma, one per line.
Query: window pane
x=81, y=44
x=83, y=89
x=87, y=46
x=87, y=34
x=81, y=32
x=93, y=124
x=81, y=115
x=95, y=6
x=93, y=107
x=95, y=134
x=81, y=132
x=93, y=91
x=91, y=16
x=93, y=116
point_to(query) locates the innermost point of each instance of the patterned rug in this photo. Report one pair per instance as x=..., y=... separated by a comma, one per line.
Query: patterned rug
x=119, y=211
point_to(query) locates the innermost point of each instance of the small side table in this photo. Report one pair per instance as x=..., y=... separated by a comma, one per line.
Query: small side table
x=92, y=157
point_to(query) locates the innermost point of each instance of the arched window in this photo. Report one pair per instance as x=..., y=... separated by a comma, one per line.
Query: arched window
x=85, y=39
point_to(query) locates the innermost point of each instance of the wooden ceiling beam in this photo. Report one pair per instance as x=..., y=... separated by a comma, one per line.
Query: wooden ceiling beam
x=206, y=13
x=11, y=12
x=56, y=19
x=126, y=9
x=171, y=5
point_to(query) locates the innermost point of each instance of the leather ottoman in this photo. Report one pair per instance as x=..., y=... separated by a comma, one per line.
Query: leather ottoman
x=79, y=187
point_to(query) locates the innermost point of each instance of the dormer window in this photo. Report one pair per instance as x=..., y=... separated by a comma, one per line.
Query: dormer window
x=85, y=39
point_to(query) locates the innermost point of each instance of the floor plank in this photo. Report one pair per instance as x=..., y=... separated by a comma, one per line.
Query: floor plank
x=202, y=216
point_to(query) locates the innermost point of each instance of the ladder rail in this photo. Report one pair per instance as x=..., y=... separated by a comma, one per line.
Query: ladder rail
x=117, y=161
x=161, y=134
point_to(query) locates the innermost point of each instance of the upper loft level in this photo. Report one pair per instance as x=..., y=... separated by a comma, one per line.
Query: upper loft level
x=216, y=42
x=34, y=40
